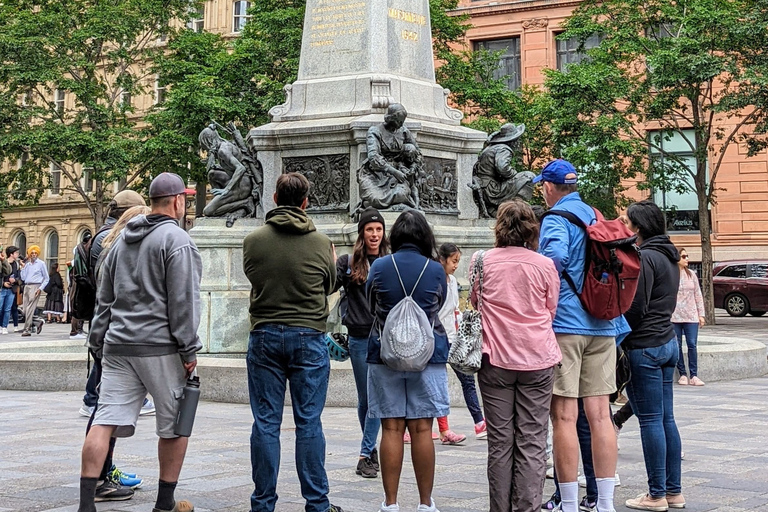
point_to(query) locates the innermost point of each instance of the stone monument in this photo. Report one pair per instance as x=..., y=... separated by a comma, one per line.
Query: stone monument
x=361, y=60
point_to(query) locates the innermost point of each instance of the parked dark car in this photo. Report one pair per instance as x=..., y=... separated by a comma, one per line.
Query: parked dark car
x=741, y=287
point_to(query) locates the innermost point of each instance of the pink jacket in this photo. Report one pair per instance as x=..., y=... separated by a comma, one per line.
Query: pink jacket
x=520, y=291
x=690, y=303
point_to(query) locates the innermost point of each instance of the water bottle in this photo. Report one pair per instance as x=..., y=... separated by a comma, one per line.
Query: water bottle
x=187, y=407
x=604, y=278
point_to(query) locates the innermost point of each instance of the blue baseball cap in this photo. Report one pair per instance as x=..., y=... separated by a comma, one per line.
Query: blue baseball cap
x=558, y=171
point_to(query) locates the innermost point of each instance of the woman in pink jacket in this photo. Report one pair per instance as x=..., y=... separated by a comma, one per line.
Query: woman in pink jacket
x=519, y=300
x=687, y=318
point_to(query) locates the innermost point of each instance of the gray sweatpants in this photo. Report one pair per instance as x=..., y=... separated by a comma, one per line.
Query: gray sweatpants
x=516, y=406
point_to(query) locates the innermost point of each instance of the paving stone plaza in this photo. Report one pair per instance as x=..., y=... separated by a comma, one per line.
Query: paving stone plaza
x=723, y=426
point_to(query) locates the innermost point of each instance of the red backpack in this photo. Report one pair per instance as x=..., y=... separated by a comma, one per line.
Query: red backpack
x=611, y=266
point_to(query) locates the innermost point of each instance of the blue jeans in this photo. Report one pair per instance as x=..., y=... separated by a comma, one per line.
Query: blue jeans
x=6, y=303
x=470, y=395
x=358, y=352
x=278, y=354
x=691, y=331
x=585, y=445
x=650, y=393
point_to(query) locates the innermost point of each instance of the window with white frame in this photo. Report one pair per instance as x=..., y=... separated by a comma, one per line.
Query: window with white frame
x=159, y=91
x=87, y=181
x=55, y=187
x=672, y=155
x=240, y=15
x=51, y=248
x=509, y=61
x=20, y=241
x=196, y=21
x=59, y=98
x=125, y=98
x=568, y=50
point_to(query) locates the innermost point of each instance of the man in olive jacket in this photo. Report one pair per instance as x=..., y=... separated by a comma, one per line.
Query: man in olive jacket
x=291, y=267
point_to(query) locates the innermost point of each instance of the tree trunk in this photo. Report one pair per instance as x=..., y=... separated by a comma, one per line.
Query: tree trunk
x=705, y=231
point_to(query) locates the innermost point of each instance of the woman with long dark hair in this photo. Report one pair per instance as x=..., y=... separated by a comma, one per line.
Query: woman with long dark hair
x=652, y=351
x=54, y=295
x=519, y=300
x=686, y=320
x=351, y=274
x=408, y=399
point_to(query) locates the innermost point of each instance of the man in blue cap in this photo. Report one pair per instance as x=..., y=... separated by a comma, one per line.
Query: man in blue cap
x=587, y=370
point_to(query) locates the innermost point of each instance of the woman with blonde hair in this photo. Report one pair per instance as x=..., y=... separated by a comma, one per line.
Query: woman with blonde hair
x=116, y=231
x=518, y=301
x=686, y=320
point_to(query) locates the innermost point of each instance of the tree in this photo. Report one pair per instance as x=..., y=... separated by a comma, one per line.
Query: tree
x=690, y=72
x=68, y=69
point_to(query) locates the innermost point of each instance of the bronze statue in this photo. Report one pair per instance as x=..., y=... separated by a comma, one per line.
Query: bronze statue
x=391, y=174
x=234, y=173
x=495, y=176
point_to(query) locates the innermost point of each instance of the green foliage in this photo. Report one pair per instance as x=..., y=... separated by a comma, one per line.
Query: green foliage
x=93, y=50
x=671, y=67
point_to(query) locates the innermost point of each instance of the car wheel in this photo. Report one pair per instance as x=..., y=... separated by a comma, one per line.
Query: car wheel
x=736, y=304
x=757, y=313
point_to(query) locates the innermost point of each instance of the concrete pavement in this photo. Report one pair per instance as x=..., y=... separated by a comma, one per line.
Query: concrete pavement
x=723, y=425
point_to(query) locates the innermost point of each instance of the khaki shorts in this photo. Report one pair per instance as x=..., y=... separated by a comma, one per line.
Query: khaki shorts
x=588, y=367
x=125, y=381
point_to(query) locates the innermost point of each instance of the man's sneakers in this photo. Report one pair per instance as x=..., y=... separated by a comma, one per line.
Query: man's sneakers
x=5, y=330
x=366, y=469
x=427, y=508
x=180, y=506
x=552, y=503
x=586, y=505
x=125, y=479
x=147, y=408
x=450, y=437
x=78, y=336
x=111, y=491
x=480, y=431
x=86, y=410
x=389, y=508
x=646, y=502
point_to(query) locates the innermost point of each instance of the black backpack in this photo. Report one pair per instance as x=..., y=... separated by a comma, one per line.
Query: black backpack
x=84, y=279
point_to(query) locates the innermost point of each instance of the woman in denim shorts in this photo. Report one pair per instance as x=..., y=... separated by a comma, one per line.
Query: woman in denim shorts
x=409, y=399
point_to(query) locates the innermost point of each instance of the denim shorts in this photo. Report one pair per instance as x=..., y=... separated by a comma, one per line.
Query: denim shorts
x=409, y=395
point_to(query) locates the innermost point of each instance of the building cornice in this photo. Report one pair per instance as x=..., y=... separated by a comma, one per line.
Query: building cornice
x=513, y=6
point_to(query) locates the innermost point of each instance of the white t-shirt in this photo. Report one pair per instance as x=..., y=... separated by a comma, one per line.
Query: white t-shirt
x=449, y=313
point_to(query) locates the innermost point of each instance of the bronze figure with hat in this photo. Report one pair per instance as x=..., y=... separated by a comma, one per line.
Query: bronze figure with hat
x=497, y=176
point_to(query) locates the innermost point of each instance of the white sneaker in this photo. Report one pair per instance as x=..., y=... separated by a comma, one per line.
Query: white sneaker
x=16, y=329
x=425, y=508
x=389, y=508
x=5, y=330
x=147, y=408
x=86, y=411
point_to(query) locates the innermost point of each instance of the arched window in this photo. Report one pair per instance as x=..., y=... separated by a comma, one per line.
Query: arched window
x=240, y=15
x=20, y=241
x=51, y=248
x=84, y=235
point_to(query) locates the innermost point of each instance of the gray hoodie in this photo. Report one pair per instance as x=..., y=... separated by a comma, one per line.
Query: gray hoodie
x=148, y=301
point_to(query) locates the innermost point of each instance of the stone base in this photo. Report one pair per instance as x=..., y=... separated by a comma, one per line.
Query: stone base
x=225, y=291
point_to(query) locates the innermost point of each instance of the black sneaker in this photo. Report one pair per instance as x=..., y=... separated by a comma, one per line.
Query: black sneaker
x=335, y=508
x=375, y=459
x=110, y=491
x=365, y=468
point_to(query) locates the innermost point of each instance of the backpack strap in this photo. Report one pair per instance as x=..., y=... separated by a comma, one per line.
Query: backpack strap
x=401, y=279
x=576, y=221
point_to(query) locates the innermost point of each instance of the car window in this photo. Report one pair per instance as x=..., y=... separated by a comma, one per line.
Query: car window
x=759, y=270
x=734, y=271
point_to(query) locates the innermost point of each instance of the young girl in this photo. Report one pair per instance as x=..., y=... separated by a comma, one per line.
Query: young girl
x=450, y=256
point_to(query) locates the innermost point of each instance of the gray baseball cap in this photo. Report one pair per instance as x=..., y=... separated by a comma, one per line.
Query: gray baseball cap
x=168, y=184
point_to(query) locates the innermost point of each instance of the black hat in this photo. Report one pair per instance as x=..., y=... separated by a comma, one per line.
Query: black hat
x=369, y=215
x=10, y=250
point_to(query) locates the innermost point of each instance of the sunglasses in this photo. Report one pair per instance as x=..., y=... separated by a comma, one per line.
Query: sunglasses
x=684, y=256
